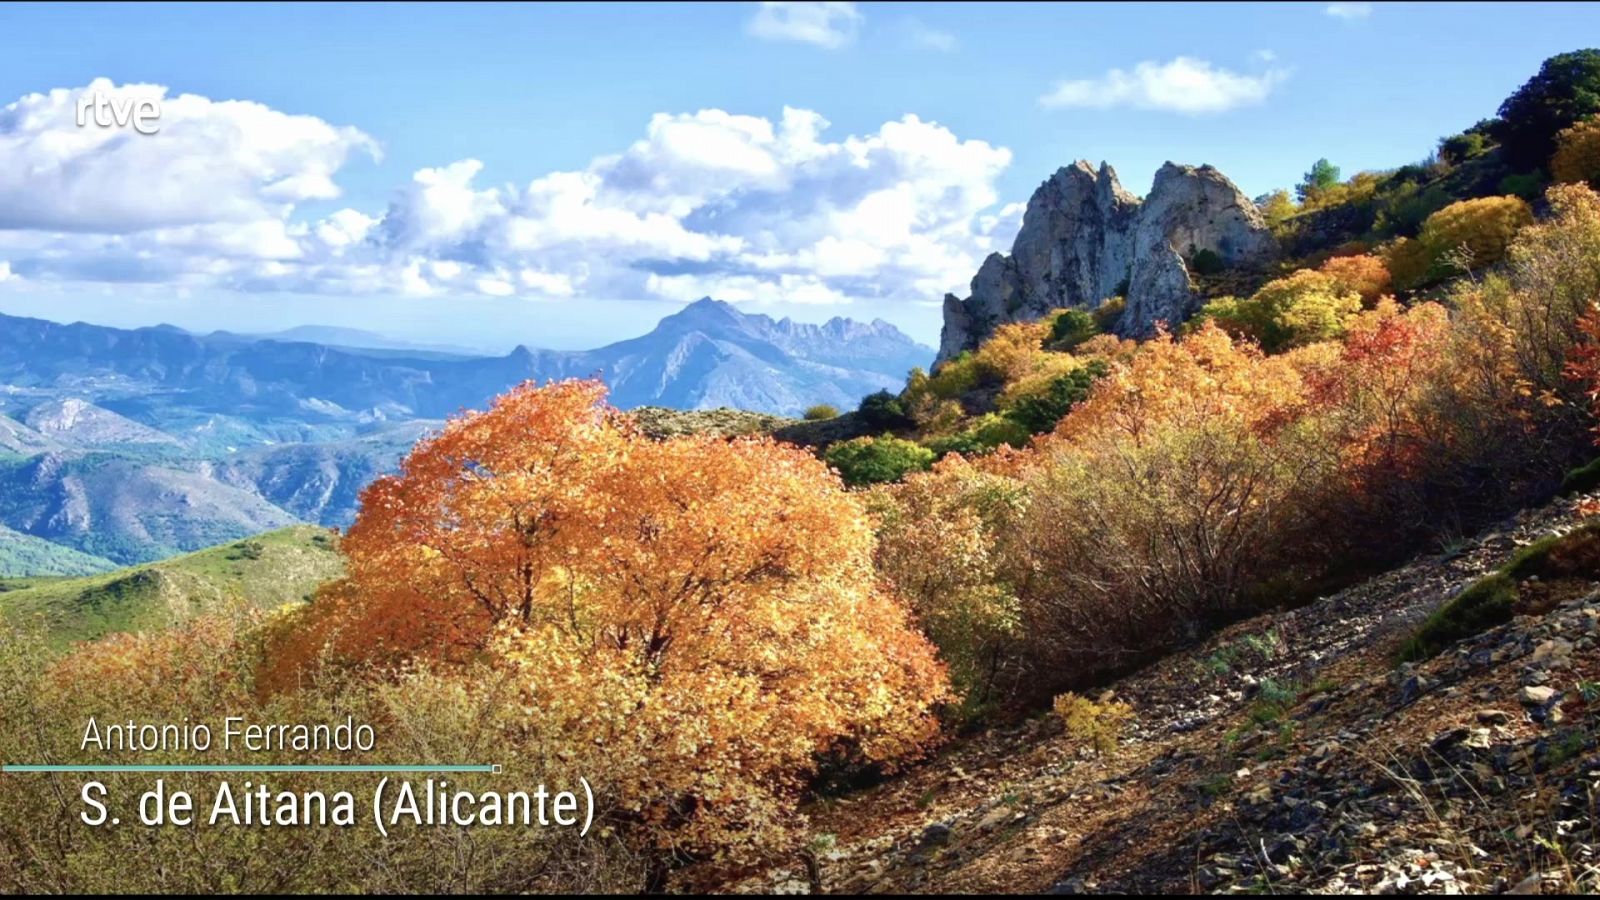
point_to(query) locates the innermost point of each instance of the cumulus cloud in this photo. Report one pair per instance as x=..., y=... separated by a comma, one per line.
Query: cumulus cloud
x=1183, y=85
x=1348, y=11
x=710, y=202
x=825, y=24
x=212, y=161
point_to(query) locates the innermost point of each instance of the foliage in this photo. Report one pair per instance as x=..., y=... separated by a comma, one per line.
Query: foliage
x=1097, y=724
x=1530, y=319
x=1108, y=312
x=883, y=411
x=876, y=460
x=1071, y=327
x=1162, y=497
x=949, y=382
x=1565, y=91
x=1300, y=308
x=1577, y=156
x=1459, y=148
x=1206, y=261
x=1276, y=208
x=1408, y=262
x=942, y=542
x=1406, y=204
x=1321, y=176
x=1480, y=229
x=705, y=610
x=821, y=411
x=1364, y=273
x=1530, y=186
x=1014, y=350
x=986, y=433
x=660, y=422
x=1037, y=404
x=201, y=671
x=279, y=567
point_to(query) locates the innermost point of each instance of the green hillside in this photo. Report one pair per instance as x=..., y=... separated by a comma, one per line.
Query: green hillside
x=23, y=555
x=265, y=571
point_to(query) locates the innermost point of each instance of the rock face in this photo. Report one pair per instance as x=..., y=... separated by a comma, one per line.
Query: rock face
x=1085, y=239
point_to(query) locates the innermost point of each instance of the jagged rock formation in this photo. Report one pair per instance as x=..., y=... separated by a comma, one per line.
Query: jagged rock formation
x=1085, y=239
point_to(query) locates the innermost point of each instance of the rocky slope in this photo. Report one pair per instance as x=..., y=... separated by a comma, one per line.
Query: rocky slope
x=1289, y=753
x=1085, y=239
x=75, y=421
x=125, y=509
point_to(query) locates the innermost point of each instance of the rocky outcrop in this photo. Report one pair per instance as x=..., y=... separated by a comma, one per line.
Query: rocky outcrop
x=1085, y=239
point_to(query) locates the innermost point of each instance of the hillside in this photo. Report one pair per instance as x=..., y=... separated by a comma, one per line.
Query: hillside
x=264, y=572
x=126, y=509
x=23, y=555
x=1288, y=753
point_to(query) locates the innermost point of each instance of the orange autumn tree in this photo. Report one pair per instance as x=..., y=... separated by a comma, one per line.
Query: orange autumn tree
x=699, y=616
x=1157, y=503
x=1364, y=273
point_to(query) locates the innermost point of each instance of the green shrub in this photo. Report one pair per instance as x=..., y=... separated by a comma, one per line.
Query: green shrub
x=251, y=550
x=1301, y=308
x=1407, y=206
x=1107, y=313
x=1322, y=176
x=821, y=411
x=877, y=460
x=1565, y=91
x=1039, y=412
x=1459, y=148
x=1206, y=261
x=984, y=435
x=1583, y=479
x=1482, y=606
x=1527, y=185
x=1072, y=327
x=956, y=377
x=883, y=411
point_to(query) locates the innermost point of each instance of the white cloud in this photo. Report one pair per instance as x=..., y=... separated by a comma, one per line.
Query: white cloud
x=1348, y=11
x=709, y=202
x=1184, y=85
x=928, y=38
x=211, y=161
x=825, y=24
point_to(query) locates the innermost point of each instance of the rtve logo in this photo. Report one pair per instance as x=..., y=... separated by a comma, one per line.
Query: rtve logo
x=142, y=113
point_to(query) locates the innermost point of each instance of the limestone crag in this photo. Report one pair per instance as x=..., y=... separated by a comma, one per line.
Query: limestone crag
x=1085, y=239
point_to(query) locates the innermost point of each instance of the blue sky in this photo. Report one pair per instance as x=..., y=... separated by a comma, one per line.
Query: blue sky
x=335, y=226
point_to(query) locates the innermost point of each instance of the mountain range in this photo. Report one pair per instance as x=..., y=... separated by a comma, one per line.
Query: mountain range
x=127, y=445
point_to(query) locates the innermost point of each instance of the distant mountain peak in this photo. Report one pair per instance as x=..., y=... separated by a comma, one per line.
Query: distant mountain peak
x=707, y=353
x=707, y=310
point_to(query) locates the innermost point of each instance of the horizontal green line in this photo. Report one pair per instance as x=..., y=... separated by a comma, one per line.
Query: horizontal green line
x=221, y=768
